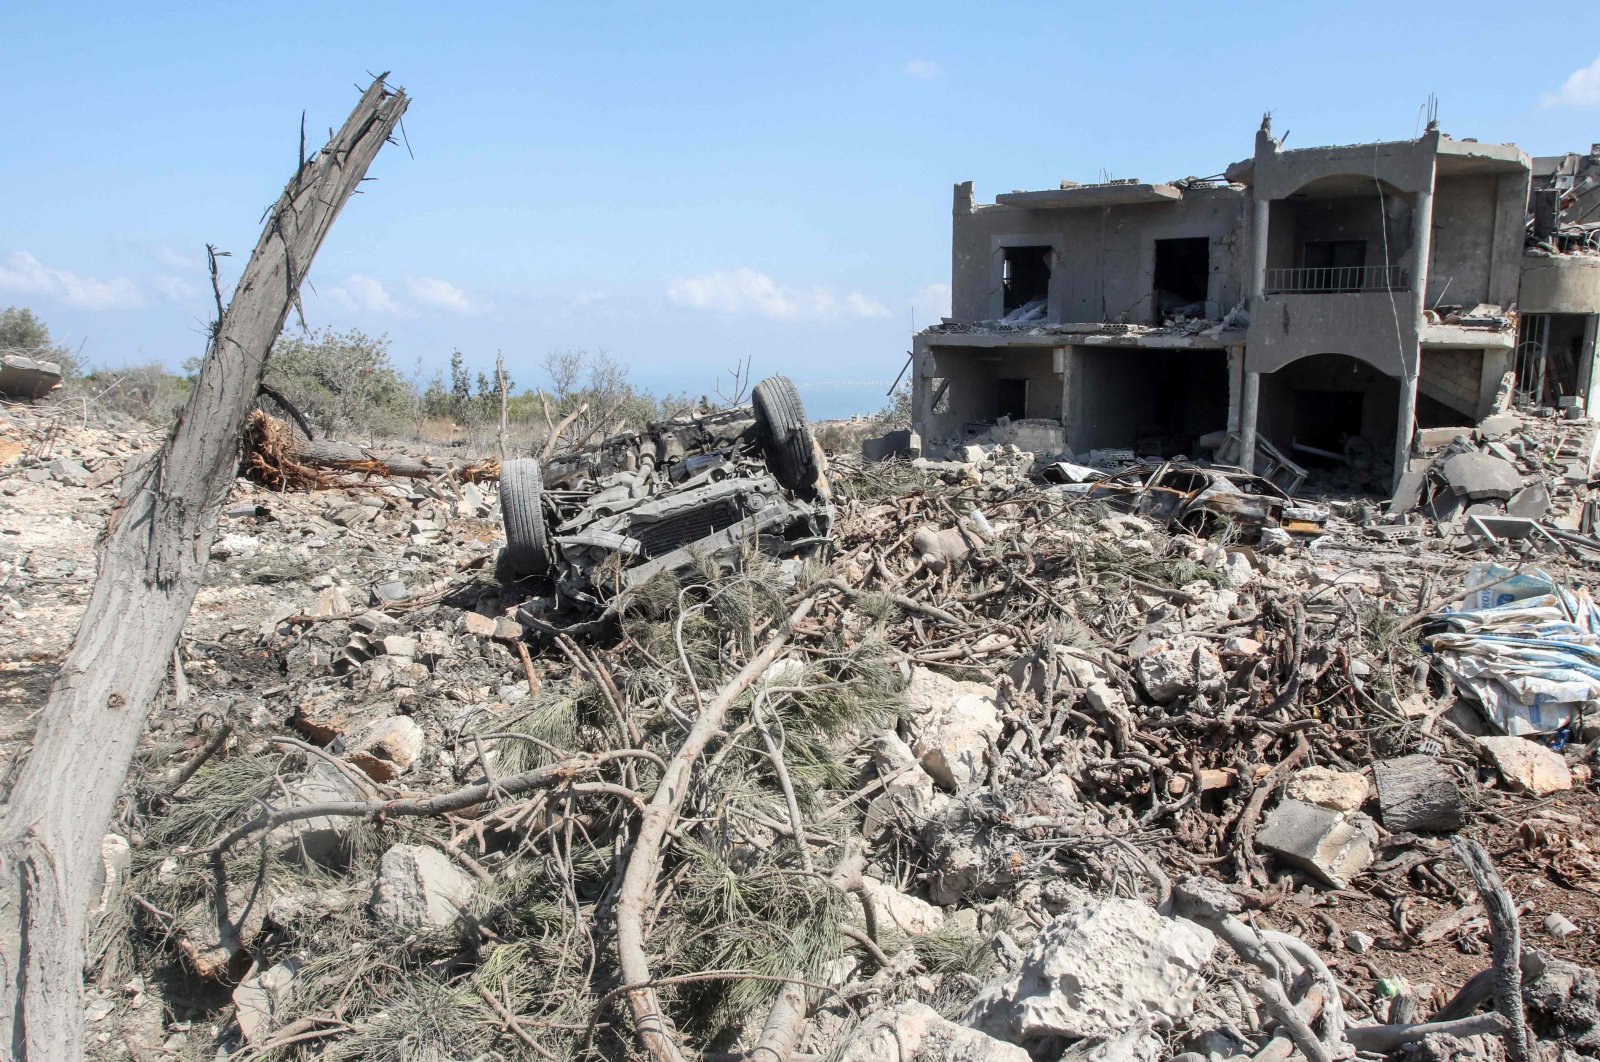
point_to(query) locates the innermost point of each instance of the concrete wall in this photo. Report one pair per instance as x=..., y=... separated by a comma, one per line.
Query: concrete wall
x=1464, y=210
x=1454, y=378
x=973, y=373
x=1103, y=268
x=1361, y=324
x=1294, y=222
x=1560, y=284
x=1117, y=397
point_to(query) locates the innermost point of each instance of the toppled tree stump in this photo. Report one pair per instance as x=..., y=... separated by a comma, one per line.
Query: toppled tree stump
x=278, y=458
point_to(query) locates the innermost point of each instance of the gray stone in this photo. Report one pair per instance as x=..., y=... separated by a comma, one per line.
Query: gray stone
x=1104, y=967
x=914, y=1032
x=25, y=377
x=419, y=888
x=257, y=998
x=390, y=591
x=1477, y=476
x=507, y=629
x=399, y=645
x=479, y=626
x=388, y=748
x=68, y=471
x=322, y=839
x=1329, y=845
x=1417, y=793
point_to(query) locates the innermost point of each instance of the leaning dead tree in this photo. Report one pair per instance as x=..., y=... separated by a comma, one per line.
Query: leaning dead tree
x=151, y=564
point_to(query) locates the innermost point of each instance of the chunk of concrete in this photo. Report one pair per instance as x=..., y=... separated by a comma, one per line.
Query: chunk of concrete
x=1328, y=788
x=1417, y=793
x=1432, y=440
x=257, y=998
x=419, y=888
x=387, y=748
x=25, y=377
x=1479, y=476
x=399, y=645
x=1103, y=967
x=1178, y=668
x=322, y=839
x=1331, y=846
x=909, y=791
x=914, y=1032
x=955, y=723
x=477, y=625
x=893, y=908
x=1528, y=766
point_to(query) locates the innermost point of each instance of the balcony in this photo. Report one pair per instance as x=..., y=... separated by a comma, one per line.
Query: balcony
x=1321, y=280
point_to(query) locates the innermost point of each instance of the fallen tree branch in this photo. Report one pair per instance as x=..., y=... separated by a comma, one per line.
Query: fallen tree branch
x=634, y=898
x=1505, y=939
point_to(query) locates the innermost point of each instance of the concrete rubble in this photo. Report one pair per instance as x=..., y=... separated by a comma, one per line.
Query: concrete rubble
x=1065, y=775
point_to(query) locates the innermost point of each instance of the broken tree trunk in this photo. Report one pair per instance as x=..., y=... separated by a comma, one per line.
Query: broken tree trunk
x=279, y=459
x=151, y=563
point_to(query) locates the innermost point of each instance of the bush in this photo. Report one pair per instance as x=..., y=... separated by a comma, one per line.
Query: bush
x=341, y=381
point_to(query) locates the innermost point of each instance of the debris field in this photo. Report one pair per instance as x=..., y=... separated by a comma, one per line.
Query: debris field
x=1002, y=773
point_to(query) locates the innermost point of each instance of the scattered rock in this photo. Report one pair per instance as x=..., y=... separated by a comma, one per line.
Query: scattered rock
x=257, y=998
x=419, y=888
x=956, y=721
x=1325, y=787
x=1105, y=967
x=893, y=908
x=1478, y=476
x=478, y=626
x=399, y=645
x=388, y=747
x=914, y=1032
x=1528, y=766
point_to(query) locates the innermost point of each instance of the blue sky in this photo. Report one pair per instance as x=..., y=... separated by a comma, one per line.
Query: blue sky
x=679, y=185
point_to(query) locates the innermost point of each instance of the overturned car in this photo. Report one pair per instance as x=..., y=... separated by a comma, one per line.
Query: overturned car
x=600, y=521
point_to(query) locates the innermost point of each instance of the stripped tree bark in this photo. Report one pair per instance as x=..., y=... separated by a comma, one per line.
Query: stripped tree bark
x=152, y=561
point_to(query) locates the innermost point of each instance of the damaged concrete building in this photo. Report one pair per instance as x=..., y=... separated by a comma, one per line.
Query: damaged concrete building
x=1321, y=303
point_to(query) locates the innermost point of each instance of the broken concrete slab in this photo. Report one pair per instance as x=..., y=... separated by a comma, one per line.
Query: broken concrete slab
x=25, y=377
x=1528, y=766
x=1432, y=440
x=900, y=443
x=1101, y=968
x=1417, y=793
x=419, y=888
x=1331, y=846
x=1531, y=502
x=1478, y=476
x=914, y=1032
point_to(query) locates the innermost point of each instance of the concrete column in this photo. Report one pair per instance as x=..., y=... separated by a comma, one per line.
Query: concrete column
x=1247, y=420
x=1421, y=251
x=1589, y=367
x=1260, y=210
x=1235, y=386
x=1408, y=424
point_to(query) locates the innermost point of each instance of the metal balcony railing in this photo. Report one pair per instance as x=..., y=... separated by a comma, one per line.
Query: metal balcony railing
x=1323, y=279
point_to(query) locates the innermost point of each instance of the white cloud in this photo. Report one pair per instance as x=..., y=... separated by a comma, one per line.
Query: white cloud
x=931, y=303
x=439, y=294
x=361, y=292
x=175, y=288
x=22, y=272
x=747, y=291
x=923, y=69
x=1582, y=89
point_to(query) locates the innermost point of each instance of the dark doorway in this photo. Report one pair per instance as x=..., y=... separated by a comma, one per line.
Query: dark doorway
x=1011, y=399
x=1325, y=421
x=1183, y=272
x=1025, y=276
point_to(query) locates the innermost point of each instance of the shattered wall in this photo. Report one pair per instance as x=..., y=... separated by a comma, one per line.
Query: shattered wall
x=1103, y=268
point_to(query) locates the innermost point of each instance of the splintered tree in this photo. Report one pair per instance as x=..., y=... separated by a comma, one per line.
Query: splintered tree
x=151, y=564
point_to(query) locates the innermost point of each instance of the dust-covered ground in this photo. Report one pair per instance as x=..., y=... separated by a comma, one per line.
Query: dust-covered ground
x=1026, y=783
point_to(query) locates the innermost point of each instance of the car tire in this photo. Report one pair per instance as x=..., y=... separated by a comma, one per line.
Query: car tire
x=527, y=551
x=785, y=433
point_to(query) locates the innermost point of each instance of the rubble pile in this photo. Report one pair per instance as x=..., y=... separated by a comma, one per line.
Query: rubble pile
x=1516, y=481
x=1004, y=775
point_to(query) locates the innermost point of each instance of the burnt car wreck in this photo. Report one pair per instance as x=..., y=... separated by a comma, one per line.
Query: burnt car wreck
x=1201, y=500
x=598, y=522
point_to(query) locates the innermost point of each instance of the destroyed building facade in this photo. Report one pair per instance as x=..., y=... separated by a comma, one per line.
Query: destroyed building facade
x=1322, y=300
